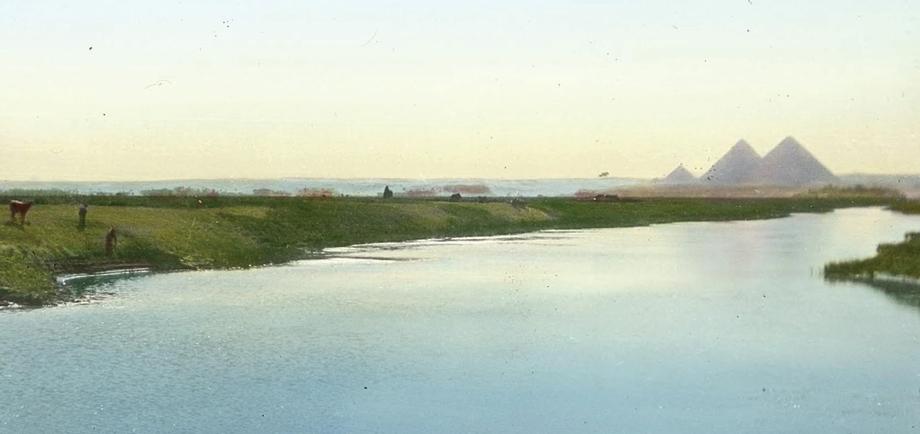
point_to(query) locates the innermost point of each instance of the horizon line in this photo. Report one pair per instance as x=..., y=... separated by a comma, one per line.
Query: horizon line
x=281, y=178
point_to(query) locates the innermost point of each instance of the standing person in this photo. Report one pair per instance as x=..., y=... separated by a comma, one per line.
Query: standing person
x=83, y=209
x=111, y=242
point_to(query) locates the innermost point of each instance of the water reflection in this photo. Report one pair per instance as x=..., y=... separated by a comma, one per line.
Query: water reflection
x=905, y=293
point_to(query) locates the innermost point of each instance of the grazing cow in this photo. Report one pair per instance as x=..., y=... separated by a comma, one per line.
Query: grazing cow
x=21, y=208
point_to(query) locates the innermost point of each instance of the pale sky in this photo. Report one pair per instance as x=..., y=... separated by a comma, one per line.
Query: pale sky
x=514, y=89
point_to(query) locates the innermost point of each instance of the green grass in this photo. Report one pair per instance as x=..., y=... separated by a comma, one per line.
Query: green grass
x=907, y=207
x=901, y=259
x=168, y=233
x=852, y=191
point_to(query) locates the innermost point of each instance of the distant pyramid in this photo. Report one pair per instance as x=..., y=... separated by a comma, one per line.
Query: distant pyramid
x=737, y=166
x=679, y=176
x=790, y=164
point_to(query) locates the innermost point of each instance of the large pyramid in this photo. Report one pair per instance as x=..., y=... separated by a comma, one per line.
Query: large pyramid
x=737, y=166
x=679, y=176
x=790, y=164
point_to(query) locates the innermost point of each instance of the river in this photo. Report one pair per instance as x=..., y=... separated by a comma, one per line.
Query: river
x=689, y=327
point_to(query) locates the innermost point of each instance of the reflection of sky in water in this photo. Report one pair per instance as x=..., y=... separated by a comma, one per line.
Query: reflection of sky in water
x=696, y=327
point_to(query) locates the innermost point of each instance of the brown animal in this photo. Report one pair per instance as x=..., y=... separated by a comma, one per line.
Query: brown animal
x=21, y=208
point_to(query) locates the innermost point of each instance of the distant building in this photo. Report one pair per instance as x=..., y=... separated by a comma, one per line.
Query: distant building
x=737, y=166
x=789, y=164
x=679, y=176
x=606, y=198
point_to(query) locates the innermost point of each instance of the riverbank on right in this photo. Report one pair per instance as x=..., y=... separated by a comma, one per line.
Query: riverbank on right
x=893, y=262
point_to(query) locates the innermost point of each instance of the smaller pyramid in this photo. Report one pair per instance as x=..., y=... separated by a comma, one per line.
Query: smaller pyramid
x=737, y=166
x=790, y=164
x=679, y=176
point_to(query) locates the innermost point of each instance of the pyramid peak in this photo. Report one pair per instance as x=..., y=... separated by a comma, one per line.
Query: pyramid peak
x=790, y=145
x=680, y=175
x=790, y=163
x=743, y=146
x=790, y=141
x=735, y=166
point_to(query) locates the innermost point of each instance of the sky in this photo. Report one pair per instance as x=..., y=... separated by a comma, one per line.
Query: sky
x=130, y=90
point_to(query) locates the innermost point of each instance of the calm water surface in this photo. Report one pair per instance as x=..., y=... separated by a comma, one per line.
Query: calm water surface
x=696, y=327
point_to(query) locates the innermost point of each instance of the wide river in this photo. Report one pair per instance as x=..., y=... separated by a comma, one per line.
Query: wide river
x=691, y=327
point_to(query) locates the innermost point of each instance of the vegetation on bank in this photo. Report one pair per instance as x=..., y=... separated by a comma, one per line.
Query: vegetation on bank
x=169, y=233
x=900, y=259
x=907, y=207
x=832, y=191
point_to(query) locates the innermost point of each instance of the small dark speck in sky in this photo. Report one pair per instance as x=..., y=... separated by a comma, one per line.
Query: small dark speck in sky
x=158, y=83
x=90, y=48
x=371, y=39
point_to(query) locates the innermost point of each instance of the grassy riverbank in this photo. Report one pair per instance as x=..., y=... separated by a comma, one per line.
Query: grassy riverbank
x=169, y=233
x=900, y=259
